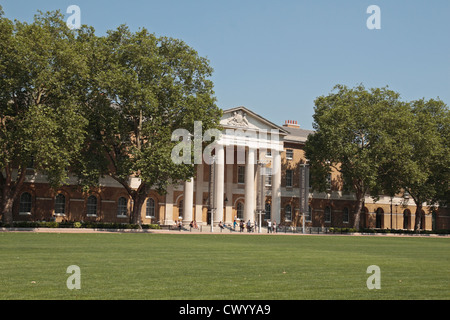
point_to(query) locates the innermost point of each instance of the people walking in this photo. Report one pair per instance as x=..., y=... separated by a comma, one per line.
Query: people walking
x=249, y=226
x=269, y=226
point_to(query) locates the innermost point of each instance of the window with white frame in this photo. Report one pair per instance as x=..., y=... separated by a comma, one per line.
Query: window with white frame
x=309, y=215
x=289, y=154
x=60, y=204
x=289, y=178
x=327, y=214
x=25, y=203
x=268, y=173
x=150, y=208
x=122, y=207
x=328, y=181
x=345, y=216
x=241, y=174
x=91, y=207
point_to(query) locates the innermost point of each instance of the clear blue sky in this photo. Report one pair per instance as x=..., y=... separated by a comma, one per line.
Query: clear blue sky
x=276, y=57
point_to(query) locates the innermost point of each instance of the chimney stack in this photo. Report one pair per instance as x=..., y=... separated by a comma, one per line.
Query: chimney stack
x=291, y=124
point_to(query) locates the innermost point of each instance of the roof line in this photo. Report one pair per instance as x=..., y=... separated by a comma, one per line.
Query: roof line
x=259, y=117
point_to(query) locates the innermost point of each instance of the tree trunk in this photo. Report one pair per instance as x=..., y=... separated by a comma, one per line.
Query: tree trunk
x=10, y=190
x=138, y=202
x=7, y=209
x=359, y=207
x=418, y=219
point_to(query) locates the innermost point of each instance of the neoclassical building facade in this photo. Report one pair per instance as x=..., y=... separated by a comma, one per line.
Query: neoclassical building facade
x=253, y=175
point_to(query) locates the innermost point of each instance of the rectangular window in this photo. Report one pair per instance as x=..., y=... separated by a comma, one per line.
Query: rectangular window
x=25, y=203
x=60, y=204
x=241, y=174
x=122, y=207
x=309, y=215
x=327, y=214
x=150, y=208
x=269, y=153
x=345, y=216
x=329, y=181
x=289, y=154
x=268, y=209
x=91, y=206
x=288, y=213
x=289, y=178
x=268, y=173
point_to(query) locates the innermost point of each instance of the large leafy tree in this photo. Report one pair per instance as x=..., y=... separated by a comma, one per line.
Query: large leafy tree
x=355, y=132
x=143, y=89
x=424, y=171
x=40, y=111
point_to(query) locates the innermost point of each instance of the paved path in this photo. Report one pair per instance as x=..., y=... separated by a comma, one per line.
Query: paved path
x=205, y=230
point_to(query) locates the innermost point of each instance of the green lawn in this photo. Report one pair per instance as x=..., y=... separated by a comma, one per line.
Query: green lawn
x=205, y=266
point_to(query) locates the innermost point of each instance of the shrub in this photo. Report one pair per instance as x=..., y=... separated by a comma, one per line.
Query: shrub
x=151, y=226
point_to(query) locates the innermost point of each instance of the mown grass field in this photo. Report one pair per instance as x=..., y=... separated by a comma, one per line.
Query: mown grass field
x=222, y=267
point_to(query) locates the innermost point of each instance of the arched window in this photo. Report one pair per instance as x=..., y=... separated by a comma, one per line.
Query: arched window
x=25, y=203
x=122, y=206
x=288, y=213
x=268, y=209
x=345, y=216
x=60, y=204
x=150, y=208
x=91, y=208
x=327, y=214
x=180, y=209
x=240, y=210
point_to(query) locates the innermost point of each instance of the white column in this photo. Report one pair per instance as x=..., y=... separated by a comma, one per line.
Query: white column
x=168, y=219
x=276, y=187
x=188, y=201
x=219, y=185
x=229, y=194
x=199, y=195
x=249, y=207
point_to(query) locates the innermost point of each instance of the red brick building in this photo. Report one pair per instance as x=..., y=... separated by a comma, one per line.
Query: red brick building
x=233, y=185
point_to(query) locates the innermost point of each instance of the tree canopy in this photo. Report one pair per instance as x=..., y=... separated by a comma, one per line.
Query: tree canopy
x=146, y=87
x=379, y=144
x=41, y=125
x=72, y=101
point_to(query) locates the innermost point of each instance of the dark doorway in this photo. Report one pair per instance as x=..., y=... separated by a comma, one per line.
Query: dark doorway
x=379, y=218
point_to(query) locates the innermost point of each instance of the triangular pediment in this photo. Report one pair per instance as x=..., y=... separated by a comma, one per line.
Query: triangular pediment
x=243, y=118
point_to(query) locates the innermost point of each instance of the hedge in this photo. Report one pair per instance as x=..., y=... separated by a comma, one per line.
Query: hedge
x=77, y=224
